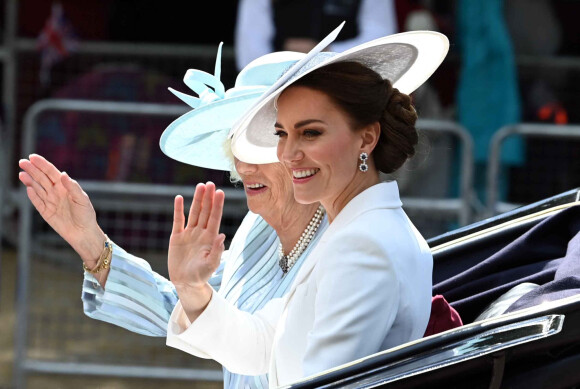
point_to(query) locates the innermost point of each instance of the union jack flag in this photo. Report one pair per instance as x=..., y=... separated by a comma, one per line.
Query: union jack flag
x=55, y=42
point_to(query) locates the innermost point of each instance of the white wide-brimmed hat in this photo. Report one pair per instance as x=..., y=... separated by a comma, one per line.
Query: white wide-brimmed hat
x=199, y=137
x=407, y=60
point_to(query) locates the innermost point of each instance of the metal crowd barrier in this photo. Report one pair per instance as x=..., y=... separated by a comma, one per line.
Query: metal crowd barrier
x=3, y=188
x=494, y=205
x=462, y=205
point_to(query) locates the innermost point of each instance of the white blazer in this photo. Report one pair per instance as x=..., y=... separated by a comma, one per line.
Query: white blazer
x=365, y=287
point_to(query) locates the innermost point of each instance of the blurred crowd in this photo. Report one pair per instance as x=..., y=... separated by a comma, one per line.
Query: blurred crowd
x=502, y=69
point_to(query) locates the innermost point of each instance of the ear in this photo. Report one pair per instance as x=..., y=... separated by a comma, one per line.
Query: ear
x=370, y=135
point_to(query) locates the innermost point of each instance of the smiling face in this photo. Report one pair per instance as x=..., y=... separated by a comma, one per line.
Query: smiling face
x=268, y=187
x=318, y=146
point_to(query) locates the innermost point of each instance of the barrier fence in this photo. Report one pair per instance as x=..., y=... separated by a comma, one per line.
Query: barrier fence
x=528, y=130
x=461, y=205
x=3, y=189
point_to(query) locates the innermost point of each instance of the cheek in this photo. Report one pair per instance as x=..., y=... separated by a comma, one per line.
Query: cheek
x=278, y=179
x=280, y=150
x=283, y=183
x=336, y=153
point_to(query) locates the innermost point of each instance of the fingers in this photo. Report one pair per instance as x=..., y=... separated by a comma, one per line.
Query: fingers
x=178, y=216
x=206, y=206
x=36, y=174
x=46, y=167
x=26, y=179
x=195, y=205
x=38, y=203
x=73, y=187
x=31, y=183
x=217, y=248
x=215, y=217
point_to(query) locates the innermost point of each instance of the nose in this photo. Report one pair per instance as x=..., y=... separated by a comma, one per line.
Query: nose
x=289, y=151
x=245, y=168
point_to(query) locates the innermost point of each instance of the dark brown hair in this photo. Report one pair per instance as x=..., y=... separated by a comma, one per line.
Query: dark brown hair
x=366, y=98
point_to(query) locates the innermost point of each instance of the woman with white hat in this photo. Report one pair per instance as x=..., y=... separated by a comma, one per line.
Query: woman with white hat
x=334, y=121
x=122, y=289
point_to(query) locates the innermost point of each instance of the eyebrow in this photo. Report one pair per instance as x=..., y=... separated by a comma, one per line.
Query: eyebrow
x=301, y=123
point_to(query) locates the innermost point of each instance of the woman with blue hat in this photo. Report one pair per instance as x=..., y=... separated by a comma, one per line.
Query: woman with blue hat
x=122, y=289
x=334, y=121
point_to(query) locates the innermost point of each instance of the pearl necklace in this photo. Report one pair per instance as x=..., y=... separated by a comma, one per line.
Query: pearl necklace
x=287, y=261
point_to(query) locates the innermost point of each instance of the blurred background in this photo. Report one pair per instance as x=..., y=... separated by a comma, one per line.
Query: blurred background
x=85, y=85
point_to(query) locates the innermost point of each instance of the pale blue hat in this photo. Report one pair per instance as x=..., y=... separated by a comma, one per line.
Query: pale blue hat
x=199, y=137
x=407, y=60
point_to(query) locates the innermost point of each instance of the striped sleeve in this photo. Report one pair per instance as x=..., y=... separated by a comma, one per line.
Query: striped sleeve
x=136, y=298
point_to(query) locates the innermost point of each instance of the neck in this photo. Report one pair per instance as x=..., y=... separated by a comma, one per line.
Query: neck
x=291, y=222
x=360, y=182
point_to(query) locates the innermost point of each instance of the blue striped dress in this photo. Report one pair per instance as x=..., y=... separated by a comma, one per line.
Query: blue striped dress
x=140, y=300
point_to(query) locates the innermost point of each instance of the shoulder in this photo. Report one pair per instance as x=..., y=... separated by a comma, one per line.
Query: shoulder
x=376, y=236
x=356, y=258
x=373, y=225
x=355, y=244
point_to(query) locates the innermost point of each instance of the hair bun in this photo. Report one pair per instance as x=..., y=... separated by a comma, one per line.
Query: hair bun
x=399, y=105
x=398, y=133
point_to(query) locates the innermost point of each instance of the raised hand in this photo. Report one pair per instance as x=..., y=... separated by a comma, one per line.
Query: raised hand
x=195, y=248
x=63, y=205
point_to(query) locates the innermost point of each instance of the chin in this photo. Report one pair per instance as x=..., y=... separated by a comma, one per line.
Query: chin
x=253, y=206
x=305, y=198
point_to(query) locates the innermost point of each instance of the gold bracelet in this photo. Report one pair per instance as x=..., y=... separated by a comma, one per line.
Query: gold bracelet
x=104, y=261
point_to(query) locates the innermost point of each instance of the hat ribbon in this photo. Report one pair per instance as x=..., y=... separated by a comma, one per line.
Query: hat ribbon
x=208, y=87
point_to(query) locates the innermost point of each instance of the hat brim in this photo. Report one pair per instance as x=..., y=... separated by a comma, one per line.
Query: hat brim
x=199, y=137
x=406, y=59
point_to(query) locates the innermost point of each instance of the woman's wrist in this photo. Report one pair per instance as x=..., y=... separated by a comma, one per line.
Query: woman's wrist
x=96, y=252
x=90, y=247
x=194, y=298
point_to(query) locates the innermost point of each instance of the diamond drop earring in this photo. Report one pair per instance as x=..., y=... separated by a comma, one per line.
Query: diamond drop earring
x=363, y=167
